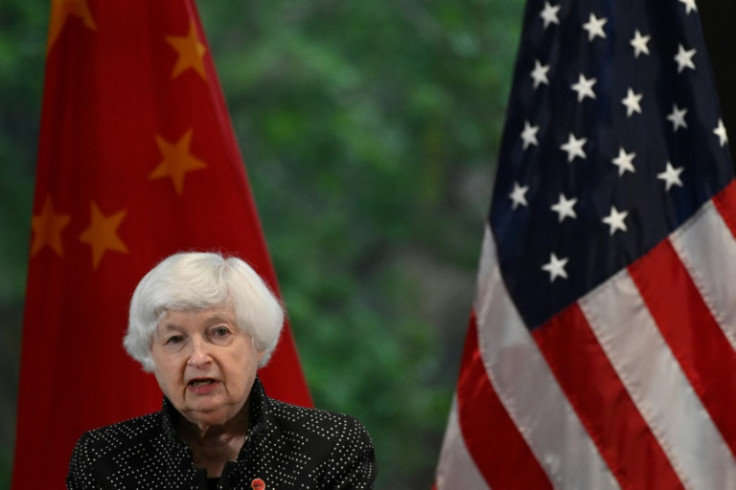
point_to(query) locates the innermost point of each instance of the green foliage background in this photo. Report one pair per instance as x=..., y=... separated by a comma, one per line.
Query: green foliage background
x=370, y=132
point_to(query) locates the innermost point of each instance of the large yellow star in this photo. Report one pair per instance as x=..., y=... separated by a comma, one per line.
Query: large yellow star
x=102, y=234
x=47, y=226
x=177, y=160
x=60, y=12
x=191, y=52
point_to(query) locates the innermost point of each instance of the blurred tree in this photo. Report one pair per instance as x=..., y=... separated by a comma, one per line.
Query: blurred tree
x=369, y=130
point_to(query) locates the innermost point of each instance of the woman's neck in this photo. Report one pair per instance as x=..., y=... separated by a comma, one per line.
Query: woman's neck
x=214, y=445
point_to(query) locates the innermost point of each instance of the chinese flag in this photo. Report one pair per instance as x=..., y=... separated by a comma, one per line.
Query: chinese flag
x=137, y=160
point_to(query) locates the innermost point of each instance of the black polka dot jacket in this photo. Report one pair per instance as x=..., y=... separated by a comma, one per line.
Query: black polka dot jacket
x=288, y=447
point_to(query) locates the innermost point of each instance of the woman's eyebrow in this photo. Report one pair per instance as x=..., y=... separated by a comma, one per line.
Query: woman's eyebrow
x=217, y=318
x=169, y=326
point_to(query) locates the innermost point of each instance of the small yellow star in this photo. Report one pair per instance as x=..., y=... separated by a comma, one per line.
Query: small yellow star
x=47, y=226
x=60, y=12
x=177, y=160
x=102, y=234
x=191, y=52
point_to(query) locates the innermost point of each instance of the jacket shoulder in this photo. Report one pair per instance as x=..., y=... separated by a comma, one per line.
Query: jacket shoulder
x=123, y=433
x=336, y=449
x=96, y=449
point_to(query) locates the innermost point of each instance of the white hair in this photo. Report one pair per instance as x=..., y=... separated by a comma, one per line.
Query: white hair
x=192, y=281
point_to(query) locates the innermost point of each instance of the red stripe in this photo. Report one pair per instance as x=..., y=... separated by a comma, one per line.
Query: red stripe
x=605, y=408
x=694, y=336
x=498, y=449
x=725, y=202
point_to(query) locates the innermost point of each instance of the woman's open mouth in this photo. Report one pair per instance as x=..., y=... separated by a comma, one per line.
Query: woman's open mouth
x=201, y=382
x=202, y=386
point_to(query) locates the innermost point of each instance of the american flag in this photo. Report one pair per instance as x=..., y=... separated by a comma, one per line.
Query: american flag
x=601, y=351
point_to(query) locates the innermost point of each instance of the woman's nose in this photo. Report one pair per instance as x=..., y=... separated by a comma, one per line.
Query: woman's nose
x=199, y=354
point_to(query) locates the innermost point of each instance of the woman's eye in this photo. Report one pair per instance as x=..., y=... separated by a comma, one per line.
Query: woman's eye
x=174, y=339
x=220, y=331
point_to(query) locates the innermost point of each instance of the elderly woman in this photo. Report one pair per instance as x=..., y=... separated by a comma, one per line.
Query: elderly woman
x=203, y=324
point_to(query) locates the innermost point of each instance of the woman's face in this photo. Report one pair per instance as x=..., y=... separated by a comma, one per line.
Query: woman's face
x=204, y=364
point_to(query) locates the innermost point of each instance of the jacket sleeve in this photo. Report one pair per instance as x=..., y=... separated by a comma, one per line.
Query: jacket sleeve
x=352, y=459
x=80, y=467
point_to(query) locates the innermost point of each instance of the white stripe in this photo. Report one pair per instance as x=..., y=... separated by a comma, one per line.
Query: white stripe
x=456, y=468
x=657, y=385
x=708, y=251
x=529, y=391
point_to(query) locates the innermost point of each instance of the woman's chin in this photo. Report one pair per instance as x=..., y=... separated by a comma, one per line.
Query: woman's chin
x=206, y=412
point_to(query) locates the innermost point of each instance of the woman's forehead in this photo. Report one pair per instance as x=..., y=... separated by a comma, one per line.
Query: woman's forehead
x=216, y=314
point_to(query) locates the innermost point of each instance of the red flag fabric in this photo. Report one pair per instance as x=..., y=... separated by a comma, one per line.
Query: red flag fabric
x=137, y=160
x=601, y=351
